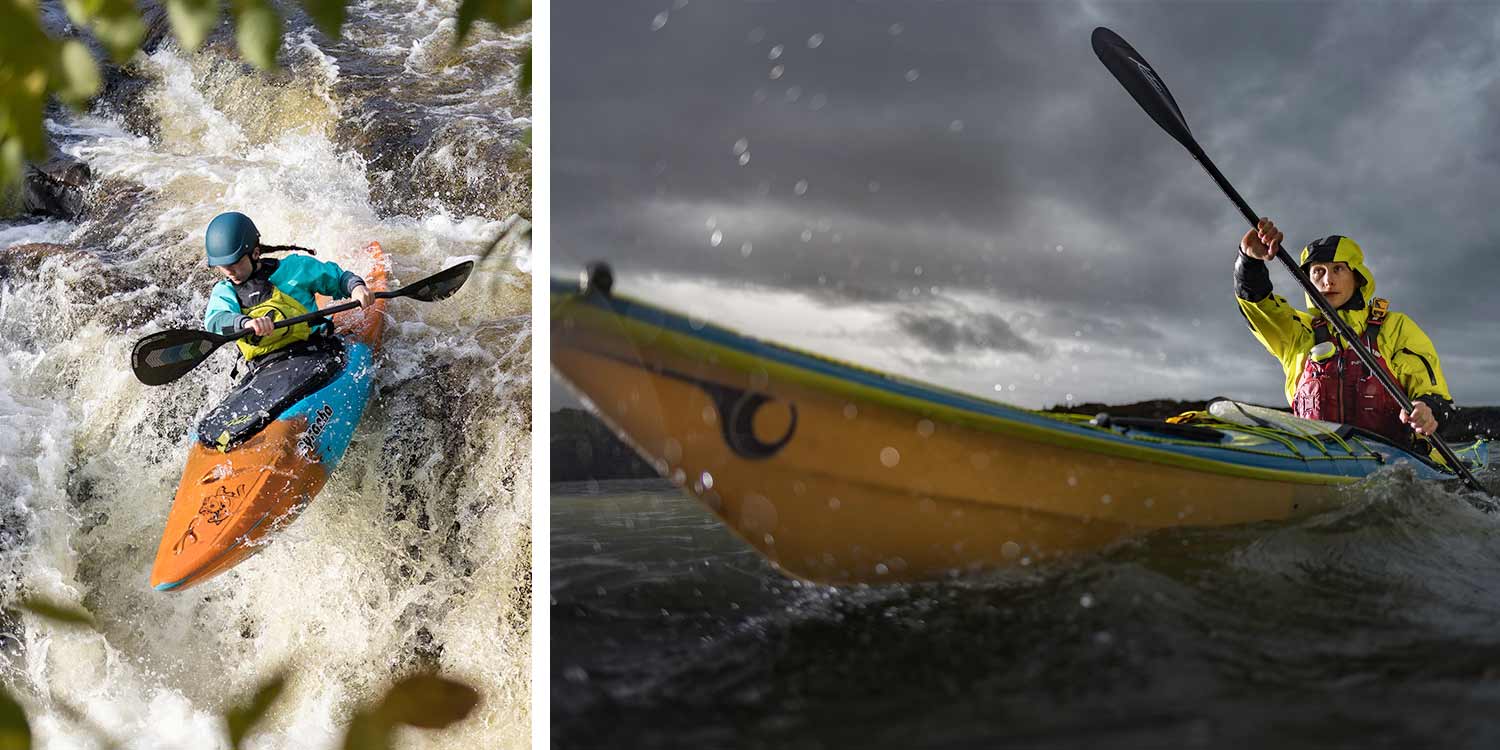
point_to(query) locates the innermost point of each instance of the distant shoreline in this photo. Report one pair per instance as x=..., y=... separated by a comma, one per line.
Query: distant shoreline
x=584, y=449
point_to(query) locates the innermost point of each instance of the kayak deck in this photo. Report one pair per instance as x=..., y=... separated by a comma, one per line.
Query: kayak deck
x=840, y=474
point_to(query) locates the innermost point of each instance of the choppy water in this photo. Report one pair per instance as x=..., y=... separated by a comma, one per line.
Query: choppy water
x=1371, y=625
x=417, y=553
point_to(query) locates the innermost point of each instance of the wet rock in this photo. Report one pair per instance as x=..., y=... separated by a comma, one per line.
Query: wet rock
x=417, y=162
x=57, y=188
x=105, y=294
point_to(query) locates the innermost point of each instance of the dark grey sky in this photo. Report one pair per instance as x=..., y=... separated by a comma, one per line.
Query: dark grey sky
x=960, y=192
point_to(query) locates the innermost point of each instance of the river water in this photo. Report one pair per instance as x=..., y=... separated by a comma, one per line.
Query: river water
x=1371, y=625
x=417, y=553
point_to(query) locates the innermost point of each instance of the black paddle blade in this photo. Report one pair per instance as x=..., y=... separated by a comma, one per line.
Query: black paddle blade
x=1141, y=80
x=440, y=285
x=163, y=357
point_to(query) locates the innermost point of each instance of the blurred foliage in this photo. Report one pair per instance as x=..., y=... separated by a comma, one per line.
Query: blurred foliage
x=424, y=701
x=244, y=716
x=15, y=733
x=34, y=66
x=58, y=613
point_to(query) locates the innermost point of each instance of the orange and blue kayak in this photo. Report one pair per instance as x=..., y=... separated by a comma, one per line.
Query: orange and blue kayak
x=266, y=460
x=840, y=474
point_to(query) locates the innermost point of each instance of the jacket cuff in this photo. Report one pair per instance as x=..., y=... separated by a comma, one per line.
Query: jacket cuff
x=1252, y=280
x=1442, y=408
x=351, y=280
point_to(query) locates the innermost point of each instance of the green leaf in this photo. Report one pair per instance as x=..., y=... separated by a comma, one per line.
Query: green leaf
x=60, y=614
x=427, y=701
x=15, y=733
x=526, y=71
x=327, y=14
x=116, y=23
x=79, y=80
x=258, y=32
x=502, y=13
x=243, y=717
x=192, y=20
x=366, y=732
x=12, y=161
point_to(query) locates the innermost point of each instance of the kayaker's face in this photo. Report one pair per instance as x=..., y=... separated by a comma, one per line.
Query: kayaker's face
x=239, y=271
x=1334, y=280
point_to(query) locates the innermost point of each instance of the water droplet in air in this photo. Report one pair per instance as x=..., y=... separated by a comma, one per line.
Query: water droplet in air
x=746, y=248
x=956, y=126
x=1010, y=550
x=742, y=145
x=777, y=71
x=1086, y=601
x=744, y=159
x=659, y=21
x=889, y=456
x=925, y=428
x=815, y=41
x=716, y=238
x=807, y=235
x=913, y=74
x=776, y=52
x=896, y=29
x=800, y=188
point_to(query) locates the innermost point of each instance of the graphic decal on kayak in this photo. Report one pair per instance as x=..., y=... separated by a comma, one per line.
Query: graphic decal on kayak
x=215, y=509
x=307, y=445
x=737, y=410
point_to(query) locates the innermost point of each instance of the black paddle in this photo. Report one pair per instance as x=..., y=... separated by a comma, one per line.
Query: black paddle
x=1148, y=90
x=165, y=356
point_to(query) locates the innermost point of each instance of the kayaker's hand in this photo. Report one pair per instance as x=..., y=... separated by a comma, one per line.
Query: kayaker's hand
x=1262, y=242
x=262, y=326
x=1420, y=418
x=362, y=295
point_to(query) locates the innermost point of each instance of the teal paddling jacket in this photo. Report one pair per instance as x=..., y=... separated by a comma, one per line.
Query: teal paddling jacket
x=297, y=276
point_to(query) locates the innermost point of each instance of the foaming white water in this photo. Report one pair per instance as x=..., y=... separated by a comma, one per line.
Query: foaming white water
x=414, y=556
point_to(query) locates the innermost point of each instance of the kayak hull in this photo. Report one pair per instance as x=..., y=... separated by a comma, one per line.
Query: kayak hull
x=841, y=475
x=229, y=504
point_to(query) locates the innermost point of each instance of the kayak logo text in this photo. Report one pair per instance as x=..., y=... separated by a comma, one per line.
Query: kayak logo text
x=307, y=445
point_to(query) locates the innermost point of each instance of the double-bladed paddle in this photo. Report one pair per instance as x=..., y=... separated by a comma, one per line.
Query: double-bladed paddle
x=1148, y=90
x=165, y=356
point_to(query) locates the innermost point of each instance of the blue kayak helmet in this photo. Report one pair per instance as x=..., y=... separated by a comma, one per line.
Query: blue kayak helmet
x=230, y=236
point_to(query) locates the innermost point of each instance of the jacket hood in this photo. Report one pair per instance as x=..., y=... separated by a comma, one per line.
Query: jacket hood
x=1332, y=249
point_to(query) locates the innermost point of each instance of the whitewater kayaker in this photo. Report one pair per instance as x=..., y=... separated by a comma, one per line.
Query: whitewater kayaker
x=1325, y=379
x=258, y=291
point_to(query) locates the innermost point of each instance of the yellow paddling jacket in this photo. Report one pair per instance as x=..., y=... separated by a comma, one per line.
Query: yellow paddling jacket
x=1287, y=333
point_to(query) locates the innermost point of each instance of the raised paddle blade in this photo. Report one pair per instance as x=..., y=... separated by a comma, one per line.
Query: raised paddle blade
x=440, y=285
x=1141, y=80
x=163, y=357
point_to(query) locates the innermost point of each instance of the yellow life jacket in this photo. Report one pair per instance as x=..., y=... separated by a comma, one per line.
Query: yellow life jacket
x=259, y=298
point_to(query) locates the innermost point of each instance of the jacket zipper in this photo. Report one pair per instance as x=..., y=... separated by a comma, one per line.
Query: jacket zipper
x=1430, y=374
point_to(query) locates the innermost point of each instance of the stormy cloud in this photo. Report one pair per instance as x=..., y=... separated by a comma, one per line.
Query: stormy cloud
x=890, y=164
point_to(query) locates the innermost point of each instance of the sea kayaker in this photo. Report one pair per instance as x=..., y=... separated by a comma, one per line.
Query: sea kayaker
x=257, y=291
x=1325, y=379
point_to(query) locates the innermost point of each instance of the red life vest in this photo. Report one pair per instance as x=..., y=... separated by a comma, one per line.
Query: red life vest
x=1341, y=389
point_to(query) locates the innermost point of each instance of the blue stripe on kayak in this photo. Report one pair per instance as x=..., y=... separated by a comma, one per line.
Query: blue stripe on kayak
x=1351, y=467
x=346, y=395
